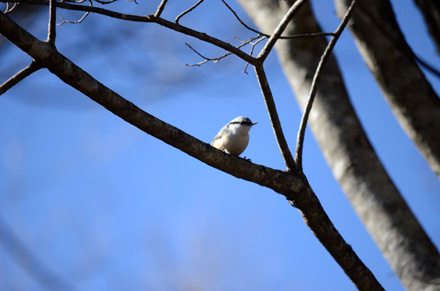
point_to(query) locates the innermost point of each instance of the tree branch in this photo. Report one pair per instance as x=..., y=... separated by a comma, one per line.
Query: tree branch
x=47, y=56
x=314, y=88
x=187, y=11
x=149, y=19
x=160, y=8
x=280, y=29
x=274, y=119
x=215, y=60
x=268, y=35
x=14, y=80
x=51, y=34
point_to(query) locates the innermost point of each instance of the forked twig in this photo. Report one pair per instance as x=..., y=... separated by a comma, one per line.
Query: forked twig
x=215, y=60
x=79, y=20
x=253, y=44
x=10, y=9
x=314, y=88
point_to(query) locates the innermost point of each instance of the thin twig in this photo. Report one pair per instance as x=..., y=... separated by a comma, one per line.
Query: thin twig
x=52, y=32
x=280, y=29
x=253, y=44
x=74, y=21
x=10, y=9
x=316, y=78
x=14, y=80
x=187, y=11
x=160, y=8
x=268, y=35
x=274, y=119
x=79, y=20
x=239, y=20
x=105, y=2
x=215, y=60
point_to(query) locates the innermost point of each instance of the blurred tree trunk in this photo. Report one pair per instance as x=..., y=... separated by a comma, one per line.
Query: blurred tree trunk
x=431, y=12
x=390, y=59
x=345, y=145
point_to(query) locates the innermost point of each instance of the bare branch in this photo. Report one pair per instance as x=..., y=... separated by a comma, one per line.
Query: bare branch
x=10, y=9
x=215, y=60
x=268, y=35
x=74, y=21
x=105, y=2
x=239, y=20
x=280, y=29
x=14, y=80
x=187, y=11
x=253, y=44
x=274, y=119
x=52, y=33
x=79, y=20
x=160, y=8
x=314, y=88
x=149, y=18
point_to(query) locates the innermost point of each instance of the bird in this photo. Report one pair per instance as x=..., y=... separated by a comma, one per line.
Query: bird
x=233, y=138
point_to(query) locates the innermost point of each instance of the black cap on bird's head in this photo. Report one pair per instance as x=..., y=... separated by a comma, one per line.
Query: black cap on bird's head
x=243, y=120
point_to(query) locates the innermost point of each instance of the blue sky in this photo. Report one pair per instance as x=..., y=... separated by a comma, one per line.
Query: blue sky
x=107, y=207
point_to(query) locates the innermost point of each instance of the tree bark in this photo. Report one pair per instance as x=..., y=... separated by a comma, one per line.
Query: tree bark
x=345, y=145
x=410, y=96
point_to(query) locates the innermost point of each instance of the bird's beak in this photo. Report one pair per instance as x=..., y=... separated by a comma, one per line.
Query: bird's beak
x=253, y=123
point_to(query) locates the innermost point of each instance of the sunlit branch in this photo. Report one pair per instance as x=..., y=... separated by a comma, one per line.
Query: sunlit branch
x=160, y=8
x=314, y=87
x=10, y=9
x=52, y=31
x=274, y=118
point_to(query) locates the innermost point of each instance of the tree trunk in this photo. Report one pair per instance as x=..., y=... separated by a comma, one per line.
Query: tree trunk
x=412, y=99
x=345, y=145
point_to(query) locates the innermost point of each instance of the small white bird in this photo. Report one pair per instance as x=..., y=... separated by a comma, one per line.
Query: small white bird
x=233, y=138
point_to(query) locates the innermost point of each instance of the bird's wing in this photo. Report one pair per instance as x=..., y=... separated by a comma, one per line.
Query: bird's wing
x=223, y=131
